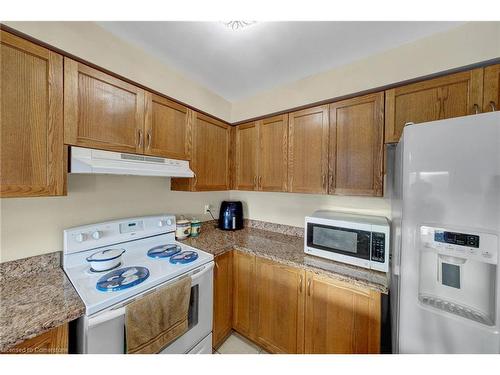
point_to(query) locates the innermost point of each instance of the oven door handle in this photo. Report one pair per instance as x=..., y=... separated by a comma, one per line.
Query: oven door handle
x=201, y=271
x=106, y=316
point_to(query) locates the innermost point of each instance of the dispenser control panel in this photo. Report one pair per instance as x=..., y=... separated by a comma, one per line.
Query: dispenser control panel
x=454, y=238
x=482, y=247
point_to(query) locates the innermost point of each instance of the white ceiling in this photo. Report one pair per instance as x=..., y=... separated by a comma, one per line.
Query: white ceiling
x=237, y=64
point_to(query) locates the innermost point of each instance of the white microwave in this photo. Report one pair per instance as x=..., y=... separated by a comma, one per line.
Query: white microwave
x=359, y=240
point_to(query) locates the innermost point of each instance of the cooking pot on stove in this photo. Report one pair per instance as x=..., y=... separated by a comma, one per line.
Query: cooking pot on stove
x=105, y=260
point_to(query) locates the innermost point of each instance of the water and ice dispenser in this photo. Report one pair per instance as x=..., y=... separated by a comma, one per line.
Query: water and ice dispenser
x=458, y=273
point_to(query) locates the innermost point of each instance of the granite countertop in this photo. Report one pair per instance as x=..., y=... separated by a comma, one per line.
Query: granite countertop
x=35, y=296
x=287, y=248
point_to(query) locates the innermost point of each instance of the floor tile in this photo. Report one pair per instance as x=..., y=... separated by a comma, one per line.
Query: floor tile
x=236, y=344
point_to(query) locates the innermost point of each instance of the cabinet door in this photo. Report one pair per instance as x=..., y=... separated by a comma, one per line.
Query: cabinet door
x=54, y=341
x=31, y=119
x=223, y=298
x=280, y=307
x=491, y=100
x=167, y=128
x=244, y=294
x=454, y=95
x=308, y=150
x=245, y=177
x=210, y=153
x=340, y=318
x=101, y=111
x=273, y=150
x=356, y=145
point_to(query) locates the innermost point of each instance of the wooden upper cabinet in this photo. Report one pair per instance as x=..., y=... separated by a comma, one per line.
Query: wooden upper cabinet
x=280, y=307
x=167, y=130
x=340, y=318
x=101, y=111
x=245, y=154
x=272, y=152
x=491, y=101
x=210, y=153
x=31, y=107
x=244, y=294
x=454, y=95
x=308, y=150
x=357, y=145
x=223, y=298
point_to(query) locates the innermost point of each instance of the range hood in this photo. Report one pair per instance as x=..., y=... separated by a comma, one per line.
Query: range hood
x=90, y=161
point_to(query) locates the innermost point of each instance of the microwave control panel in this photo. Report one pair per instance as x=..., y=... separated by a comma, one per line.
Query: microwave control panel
x=378, y=247
x=482, y=247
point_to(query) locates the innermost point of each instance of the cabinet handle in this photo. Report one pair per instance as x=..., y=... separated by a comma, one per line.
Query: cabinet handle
x=300, y=284
x=309, y=287
x=255, y=182
x=476, y=109
x=149, y=137
x=139, y=143
x=323, y=180
x=260, y=182
x=493, y=106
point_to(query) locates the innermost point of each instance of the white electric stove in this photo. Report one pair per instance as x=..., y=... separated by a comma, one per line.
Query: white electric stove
x=151, y=259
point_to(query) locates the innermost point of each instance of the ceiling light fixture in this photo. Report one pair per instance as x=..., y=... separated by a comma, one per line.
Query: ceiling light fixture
x=237, y=25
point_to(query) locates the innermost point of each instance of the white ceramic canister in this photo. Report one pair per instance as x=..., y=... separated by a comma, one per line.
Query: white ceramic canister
x=183, y=229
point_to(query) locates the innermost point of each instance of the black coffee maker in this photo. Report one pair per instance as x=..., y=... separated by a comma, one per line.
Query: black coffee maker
x=231, y=215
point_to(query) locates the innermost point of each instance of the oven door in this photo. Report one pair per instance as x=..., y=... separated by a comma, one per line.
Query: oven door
x=104, y=333
x=348, y=245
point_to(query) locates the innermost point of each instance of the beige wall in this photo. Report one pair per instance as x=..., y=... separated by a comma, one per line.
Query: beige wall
x=291, y=208
x=33, y=226
x=468, y=44
x=91, y=42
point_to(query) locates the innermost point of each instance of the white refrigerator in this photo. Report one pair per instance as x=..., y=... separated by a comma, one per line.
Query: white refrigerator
x=445, y=280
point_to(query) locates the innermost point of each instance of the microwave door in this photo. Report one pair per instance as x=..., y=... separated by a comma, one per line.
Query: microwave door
x=336, y=240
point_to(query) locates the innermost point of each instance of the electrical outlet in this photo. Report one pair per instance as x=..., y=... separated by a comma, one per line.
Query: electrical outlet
x=207, y=208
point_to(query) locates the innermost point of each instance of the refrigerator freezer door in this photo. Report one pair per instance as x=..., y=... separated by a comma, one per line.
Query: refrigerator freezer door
x=450, y=178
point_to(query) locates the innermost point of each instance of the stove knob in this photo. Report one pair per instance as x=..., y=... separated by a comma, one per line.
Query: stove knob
x=96, y=235
x=169, y=221
x=161, y=223
x=80, y=237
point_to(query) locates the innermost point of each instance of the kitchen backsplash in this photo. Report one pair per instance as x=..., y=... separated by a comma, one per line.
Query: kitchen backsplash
x=35, y=225
x=290, y=209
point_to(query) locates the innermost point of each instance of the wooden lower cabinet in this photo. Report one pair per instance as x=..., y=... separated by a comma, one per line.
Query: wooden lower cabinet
x=244, y=308
x=340, y=318
x=280, y=307
x=223, y=298
x=285, y=309
x=54, y=341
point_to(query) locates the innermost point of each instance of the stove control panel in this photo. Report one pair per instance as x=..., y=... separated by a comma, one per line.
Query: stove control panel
x=112, y=232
